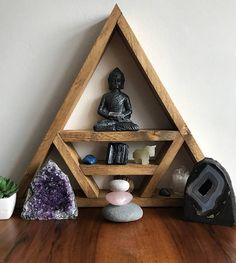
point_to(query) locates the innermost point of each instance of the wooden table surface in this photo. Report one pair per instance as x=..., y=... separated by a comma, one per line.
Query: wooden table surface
x=160, y=236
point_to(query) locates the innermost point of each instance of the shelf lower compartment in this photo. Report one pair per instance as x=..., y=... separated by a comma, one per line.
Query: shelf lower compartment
x=110, y=169
x=143, y=202
x=155, y=201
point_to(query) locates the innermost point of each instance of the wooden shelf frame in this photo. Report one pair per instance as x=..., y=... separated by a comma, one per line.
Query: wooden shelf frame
x=156, y=172
x=60, y=138
x=87, y=184
x=111, y=170
x=83, y=172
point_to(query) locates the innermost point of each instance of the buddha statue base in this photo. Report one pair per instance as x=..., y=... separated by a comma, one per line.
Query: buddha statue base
x=112, y=125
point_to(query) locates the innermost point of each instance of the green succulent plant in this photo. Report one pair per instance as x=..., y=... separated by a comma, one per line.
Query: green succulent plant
x=7, y=187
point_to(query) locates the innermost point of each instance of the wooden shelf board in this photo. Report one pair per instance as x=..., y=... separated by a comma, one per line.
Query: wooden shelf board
x=125, y=136
x=127, y=169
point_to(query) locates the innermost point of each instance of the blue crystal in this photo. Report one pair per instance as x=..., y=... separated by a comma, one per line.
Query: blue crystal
x=89, y=159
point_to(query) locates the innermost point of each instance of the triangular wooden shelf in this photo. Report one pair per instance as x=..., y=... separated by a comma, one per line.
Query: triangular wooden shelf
x=61, y=139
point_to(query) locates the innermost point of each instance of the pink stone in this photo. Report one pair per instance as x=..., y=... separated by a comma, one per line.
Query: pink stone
x=119, y=198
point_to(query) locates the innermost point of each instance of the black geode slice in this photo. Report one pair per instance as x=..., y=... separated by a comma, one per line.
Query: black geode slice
x=117, y=153
x=164, y=192
x=209, y=196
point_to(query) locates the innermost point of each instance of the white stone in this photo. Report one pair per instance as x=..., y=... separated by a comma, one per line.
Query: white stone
x=119, y=185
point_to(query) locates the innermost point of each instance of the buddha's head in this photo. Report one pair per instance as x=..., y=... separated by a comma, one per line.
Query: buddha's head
x=116, y=79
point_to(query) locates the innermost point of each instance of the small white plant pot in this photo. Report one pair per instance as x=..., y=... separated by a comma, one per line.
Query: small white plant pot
x=7, y=206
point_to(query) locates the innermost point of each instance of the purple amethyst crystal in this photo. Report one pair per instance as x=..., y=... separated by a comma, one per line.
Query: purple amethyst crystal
x=50, y=195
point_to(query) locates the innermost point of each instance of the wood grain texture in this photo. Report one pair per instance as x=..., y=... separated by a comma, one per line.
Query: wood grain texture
x=72, y=98
x=161, y=236
x=160, y=171
x=128, y=169
x=73, y=151
x=125, y=136
x=87, y=184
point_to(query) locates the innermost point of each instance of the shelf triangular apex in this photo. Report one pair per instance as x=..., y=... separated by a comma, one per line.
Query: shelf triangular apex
x=115, y=21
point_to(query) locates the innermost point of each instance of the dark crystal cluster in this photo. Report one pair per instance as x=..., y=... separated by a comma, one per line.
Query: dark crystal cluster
x=50, y=195
x=117, y=153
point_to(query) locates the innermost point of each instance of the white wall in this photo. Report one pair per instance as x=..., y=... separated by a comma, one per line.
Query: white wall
x=191, y=44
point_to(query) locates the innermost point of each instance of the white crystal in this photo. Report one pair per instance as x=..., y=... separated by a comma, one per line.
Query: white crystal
x=119, y=185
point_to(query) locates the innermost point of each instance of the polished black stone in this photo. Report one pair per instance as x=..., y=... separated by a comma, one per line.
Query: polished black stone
x=209, y=196
x=115, y=106
x=164, y=192
x=117, y=153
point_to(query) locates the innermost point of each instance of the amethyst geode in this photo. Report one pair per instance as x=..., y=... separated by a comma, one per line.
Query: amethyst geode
x=50, y=195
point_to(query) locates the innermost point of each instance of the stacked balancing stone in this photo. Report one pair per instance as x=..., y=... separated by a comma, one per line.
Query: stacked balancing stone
x=120, y=208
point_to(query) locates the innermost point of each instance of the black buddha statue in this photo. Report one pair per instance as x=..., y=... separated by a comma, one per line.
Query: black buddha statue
x=115, y=106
